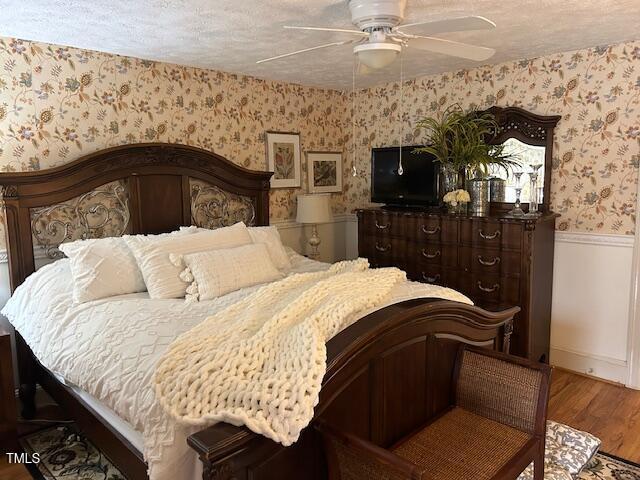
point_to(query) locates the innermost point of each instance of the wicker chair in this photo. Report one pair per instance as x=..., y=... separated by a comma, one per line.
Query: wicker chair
x=494, y=430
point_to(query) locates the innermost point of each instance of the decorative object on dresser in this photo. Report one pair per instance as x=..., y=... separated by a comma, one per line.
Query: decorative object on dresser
x=496, y=261
x=283, y=159
x=458, y=140
x=314, y=209
x=456, y=201
x=8, y=410
x=325, y=172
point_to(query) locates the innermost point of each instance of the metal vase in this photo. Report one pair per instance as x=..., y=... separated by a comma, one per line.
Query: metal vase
x=478, y=189
x=497, y=187
x=450, y=179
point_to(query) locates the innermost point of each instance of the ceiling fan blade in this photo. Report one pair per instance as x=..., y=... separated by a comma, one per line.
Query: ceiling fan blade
x=448, y=47
x=304, y=50
x=329, y=29
x=460, y=24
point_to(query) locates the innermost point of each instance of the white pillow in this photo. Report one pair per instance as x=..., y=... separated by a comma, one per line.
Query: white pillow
x=217, y=272
x=161, y=276
x=271, y=238
x=105, y=267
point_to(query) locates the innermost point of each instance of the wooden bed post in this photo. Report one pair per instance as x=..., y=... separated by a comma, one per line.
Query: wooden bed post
x=21, y=262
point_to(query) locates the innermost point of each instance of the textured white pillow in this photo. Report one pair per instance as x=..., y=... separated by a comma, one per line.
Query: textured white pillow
x=217, y=272
x=161, y=276
x=105, y=267
x=271, y=238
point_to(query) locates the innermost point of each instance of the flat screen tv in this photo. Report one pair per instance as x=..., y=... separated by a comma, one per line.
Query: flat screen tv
x=417, y=186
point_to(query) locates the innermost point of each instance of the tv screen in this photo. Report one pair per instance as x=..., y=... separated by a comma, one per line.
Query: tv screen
x=417, y=186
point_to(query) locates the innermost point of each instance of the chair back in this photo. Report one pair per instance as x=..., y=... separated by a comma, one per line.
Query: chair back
x=504, y=388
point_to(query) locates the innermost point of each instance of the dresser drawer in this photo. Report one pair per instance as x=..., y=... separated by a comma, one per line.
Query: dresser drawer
x=434, y=274
x=432, y=253
x=384, y=223
x=491, y=233
x=491, y=289
x=435, y=230
x=384, y=251
x=489, y=260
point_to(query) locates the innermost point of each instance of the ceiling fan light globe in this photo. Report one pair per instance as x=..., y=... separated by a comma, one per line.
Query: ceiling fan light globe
x=377, y=55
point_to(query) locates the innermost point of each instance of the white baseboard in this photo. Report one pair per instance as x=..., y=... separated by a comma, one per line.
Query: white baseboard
x=607, y=368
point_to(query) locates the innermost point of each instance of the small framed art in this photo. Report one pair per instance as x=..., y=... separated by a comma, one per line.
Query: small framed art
x=325, y=172
x=283, y=158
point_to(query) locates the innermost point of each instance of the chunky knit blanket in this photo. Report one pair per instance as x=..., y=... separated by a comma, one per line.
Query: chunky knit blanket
x=264, y=367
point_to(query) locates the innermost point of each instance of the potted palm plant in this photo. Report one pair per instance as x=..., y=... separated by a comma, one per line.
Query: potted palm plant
x=458, y=140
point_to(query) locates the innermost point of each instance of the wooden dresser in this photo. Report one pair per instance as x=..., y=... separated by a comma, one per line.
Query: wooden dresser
x=497, y=261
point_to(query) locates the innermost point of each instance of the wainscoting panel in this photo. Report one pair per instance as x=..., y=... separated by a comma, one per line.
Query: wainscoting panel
x=590, y=312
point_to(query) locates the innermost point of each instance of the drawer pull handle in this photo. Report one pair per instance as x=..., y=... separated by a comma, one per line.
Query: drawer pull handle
x=433, y=231
x=489, y=236
x=429, y=279
x=380, y=248
x=382, y=227
x=488, y=289
x=488, y=263
x=430, y=255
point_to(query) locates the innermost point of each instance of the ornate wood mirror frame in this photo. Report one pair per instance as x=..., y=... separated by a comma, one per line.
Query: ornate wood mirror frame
x=532, y=129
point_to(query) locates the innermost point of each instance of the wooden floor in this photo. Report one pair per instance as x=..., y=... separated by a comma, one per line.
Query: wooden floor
x=608, y=411
x=12, y=472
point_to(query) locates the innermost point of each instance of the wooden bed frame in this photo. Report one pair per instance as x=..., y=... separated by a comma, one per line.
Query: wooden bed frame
x=386, y=374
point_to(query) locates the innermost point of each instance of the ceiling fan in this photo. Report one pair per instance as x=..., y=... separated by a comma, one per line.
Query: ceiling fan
x=382, y=36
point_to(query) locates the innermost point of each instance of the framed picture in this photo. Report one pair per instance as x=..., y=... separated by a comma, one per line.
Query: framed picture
x=283, y=159
x=325, y=172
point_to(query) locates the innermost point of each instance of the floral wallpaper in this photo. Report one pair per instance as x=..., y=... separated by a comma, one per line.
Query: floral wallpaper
x=597, y=142
x=59, y=103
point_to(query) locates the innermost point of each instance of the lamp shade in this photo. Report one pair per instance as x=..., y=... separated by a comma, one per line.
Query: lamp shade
x=314, y=208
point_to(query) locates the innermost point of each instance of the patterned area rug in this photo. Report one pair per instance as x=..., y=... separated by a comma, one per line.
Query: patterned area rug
x=607, y=467
x=66, y=455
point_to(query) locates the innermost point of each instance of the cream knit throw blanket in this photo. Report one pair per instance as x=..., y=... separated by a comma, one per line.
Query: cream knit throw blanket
x=264, y=367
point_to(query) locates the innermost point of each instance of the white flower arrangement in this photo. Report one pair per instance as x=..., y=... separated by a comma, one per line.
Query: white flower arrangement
x=457, y=196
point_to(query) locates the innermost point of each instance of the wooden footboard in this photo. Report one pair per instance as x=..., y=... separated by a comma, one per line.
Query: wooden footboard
x=387, y=374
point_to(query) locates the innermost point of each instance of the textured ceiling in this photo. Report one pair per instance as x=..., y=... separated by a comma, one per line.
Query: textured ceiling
x=231, y=35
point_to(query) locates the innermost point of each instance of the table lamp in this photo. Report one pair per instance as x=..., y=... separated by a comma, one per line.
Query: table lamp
x=314, y=209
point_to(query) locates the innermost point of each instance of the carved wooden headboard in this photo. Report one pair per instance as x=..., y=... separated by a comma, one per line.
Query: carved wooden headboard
x=130, y=189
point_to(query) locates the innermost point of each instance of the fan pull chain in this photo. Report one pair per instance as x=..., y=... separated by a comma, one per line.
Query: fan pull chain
x=354, y=170
x=400, y=169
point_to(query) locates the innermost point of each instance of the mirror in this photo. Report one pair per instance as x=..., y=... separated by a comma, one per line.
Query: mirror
x=531, y=159
x=529, y=137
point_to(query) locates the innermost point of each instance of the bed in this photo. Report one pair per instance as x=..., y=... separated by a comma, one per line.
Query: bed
x=155, y=188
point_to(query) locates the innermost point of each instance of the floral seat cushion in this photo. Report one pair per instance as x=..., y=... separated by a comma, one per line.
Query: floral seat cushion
x=567, y=452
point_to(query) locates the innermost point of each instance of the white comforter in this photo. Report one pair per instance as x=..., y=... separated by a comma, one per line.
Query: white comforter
x=110, y=348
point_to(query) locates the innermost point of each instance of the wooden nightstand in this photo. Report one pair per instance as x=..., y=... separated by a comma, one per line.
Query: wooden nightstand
x=8, y=409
